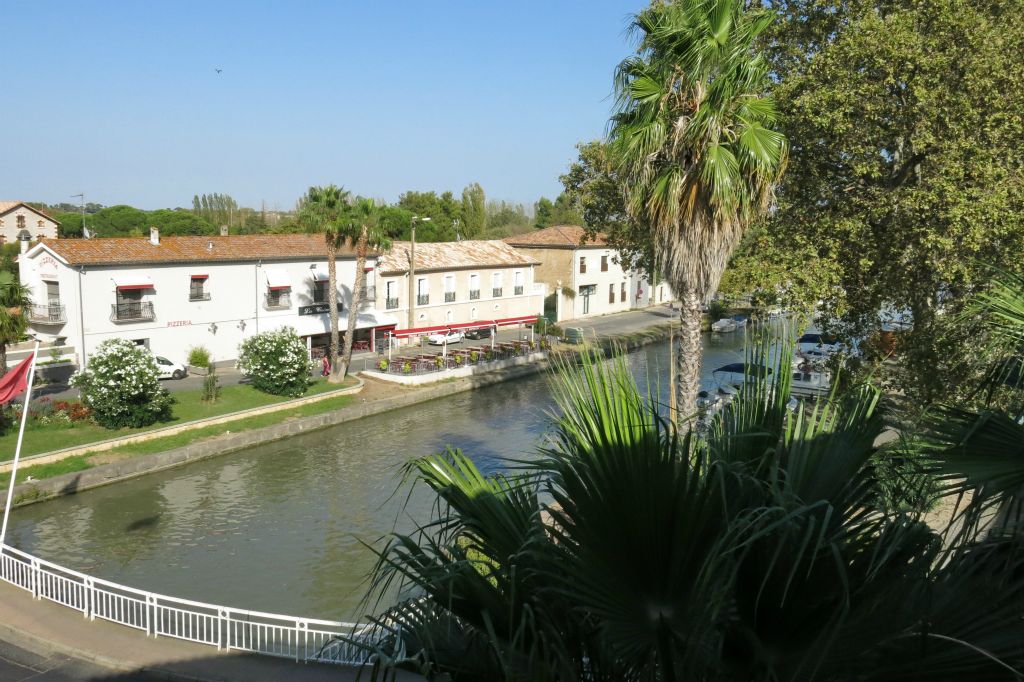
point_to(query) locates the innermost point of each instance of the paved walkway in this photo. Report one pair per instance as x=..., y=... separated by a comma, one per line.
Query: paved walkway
x=60, y=644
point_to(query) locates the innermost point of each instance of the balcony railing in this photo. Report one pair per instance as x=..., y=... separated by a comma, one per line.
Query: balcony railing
x=136, y=311
x=368, y=294
x=47, y=314
x=199, y=297
x=519, y=290
x=423, y=299
x=277, y=301
x=474, y=294
x=449, y=297
x=496, y=292
x=391, y=303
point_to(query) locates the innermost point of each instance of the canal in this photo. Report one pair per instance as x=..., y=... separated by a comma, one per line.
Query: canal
x=281, y=527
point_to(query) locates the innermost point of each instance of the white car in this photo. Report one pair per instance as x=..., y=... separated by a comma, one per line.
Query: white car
x=441, y=339
x=170, y=370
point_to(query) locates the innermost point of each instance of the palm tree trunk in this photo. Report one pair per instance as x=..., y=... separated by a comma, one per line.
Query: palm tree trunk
x=3, y=358
x=353, y=313
x=332, y=302
x=688, y=356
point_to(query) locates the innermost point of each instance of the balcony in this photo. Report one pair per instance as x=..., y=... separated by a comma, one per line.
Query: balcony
x=474, y=294
x=449, y=297
x=199, y=297
x=391, y=303
x=368, y=294
x=519, y=290
x=47, y=314
x=422, y=299
x=496, y=292
x=135, y=311
x=276, y=301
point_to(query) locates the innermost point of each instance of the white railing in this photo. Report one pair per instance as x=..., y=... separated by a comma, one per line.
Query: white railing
x=271, y=634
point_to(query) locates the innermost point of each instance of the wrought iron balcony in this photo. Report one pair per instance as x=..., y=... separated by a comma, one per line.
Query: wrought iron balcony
x=199, y=297
x=47, y=314
x=496, y=292
x=391, y=303
x=519, y=291
x=423, y=299
x=277, y=301
x=474, y=294
x=134, y=311
x=449, y=296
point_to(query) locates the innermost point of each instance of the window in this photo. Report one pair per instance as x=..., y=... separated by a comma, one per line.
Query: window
x=52, y=293
x=391, y=295
x=622, y=293
x=518, y=283
x=604, y=263
x=422, y=292
x=583, y=265
x=197, y=289
x=21, y=222
x=320, y=291
x=496, y=285
x=474, y=287
x=449, y=288
x=611, y=293
x=278, y=298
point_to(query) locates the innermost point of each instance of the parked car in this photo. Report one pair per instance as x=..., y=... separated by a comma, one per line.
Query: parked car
x=574, y=335
x=480, y=333
x=445, y=337
x=169, y=369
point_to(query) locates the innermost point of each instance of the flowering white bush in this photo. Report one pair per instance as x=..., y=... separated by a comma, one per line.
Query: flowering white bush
x=121, y=386
x=276, y=362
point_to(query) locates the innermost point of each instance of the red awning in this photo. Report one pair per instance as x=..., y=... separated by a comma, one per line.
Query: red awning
x=133, y=282
x=200, y=277
x=462, y=326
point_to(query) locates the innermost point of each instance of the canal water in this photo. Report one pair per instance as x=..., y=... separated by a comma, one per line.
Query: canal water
x=282, y=527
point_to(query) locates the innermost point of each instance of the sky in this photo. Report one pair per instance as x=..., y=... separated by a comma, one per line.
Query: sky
x=121, y=100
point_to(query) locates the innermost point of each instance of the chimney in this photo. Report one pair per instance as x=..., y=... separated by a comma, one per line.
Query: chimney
x=154, y=236
x=24, y=243
x=223, y=230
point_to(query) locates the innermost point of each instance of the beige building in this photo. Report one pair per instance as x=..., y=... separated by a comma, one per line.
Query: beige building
x=459, y=285
x=583, y=276
x=19, y=220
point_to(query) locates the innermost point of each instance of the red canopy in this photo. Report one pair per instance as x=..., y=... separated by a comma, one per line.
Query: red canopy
x=455, y=326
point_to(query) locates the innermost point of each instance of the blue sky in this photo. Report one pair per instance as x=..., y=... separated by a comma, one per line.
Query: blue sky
x=120, y=99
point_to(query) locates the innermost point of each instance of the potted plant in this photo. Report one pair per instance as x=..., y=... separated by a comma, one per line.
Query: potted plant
x=382, y=365
x=439, y=362
x=406, y=367
x=458, y=360
x=474, y=356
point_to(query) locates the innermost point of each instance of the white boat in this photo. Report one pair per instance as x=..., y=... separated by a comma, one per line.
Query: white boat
x=810, y=378
x=731, y=376
x=724, y=325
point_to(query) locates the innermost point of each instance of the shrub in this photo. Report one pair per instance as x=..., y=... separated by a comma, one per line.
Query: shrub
x=198, y=357
x=276, y=362
x=121, y=386
x=383, y=365
x=211, y=386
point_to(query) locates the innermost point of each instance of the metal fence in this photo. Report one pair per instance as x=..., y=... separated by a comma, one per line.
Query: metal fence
x=411, y=361
x=271, y=634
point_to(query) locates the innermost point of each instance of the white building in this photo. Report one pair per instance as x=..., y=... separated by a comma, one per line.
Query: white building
x=458, y=285
x=174, y=293
x=19, y=221
x=584, y=276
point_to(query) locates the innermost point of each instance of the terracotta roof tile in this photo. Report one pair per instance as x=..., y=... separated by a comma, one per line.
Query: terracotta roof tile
x=135, y=250
x=453, y=255
x=7, y=206
x=558, y=236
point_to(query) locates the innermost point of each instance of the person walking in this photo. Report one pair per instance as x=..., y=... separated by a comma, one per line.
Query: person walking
x=326, y=364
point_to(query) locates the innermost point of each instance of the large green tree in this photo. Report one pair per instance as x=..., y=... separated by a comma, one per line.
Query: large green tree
x=696, y=149
x=906, y=166
x=14, y=298
x=474, y=211
x=326, y=210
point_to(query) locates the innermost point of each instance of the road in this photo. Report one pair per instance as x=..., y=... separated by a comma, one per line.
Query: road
x=20, y=665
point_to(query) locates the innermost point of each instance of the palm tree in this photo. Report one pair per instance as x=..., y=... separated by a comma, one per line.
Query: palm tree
x=628, y=551
x=323, y=210
x=13, y=300
x=365, y=229
x=695, y=145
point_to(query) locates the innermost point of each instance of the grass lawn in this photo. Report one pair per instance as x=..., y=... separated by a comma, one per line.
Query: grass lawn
x=87, y=461
x=44, y=438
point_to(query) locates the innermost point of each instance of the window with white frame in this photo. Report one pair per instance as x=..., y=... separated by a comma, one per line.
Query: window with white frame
x=449, y=288
x=390, y=294
x=496, y=284
x=422, y=291
x=518, y=277
x=474, y=286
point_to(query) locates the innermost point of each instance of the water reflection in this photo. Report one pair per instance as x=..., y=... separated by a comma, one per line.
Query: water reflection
x=282, y=527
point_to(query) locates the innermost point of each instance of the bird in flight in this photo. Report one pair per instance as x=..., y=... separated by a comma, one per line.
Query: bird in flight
x=218, y=70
